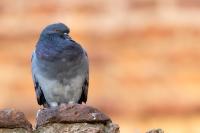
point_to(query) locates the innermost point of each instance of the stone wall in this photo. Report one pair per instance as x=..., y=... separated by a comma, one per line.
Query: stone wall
x=64, y=119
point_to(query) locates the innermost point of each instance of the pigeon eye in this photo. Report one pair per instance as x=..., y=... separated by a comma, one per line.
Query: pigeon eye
x=56, y=30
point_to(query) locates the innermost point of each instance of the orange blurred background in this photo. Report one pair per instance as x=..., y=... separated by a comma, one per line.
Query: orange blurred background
x=144, y=58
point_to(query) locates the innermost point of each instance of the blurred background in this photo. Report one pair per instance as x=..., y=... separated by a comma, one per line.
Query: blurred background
x=144, y=58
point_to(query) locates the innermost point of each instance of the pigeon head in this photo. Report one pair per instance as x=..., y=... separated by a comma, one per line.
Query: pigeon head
x=55, y=30
x=55, y=43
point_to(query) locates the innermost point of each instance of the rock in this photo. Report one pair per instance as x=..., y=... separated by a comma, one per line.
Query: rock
x=70, y=118
x=112, y=128
x=70, y=113
x=155, y=131
x=78, y=128
x=14, y=121
x=15, y=130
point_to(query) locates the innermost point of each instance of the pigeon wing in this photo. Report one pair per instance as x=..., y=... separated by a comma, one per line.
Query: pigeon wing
x=84, y=94
x=39, y=93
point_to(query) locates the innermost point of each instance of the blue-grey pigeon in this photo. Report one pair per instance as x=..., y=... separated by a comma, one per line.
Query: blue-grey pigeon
x=60, y=68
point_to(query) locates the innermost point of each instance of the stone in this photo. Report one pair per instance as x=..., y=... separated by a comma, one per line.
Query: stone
x=14, y=130
x=112, y=128
x=14, y=121
x=155, y=131
x=77, y=128
x=73, y=118
x=70, y=113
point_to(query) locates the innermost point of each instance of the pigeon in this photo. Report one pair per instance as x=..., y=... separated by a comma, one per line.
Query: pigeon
x=60, y=68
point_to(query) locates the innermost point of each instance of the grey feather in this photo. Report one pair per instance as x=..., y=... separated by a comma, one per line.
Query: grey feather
x=39, y=94
x=84, y=94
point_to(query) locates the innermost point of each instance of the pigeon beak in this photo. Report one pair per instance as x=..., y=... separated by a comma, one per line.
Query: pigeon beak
x=66, y=36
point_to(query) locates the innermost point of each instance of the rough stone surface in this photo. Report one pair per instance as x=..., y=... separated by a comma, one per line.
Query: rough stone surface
x=70, y=113
x=112, y=128
x=11, y=119
x=155, y=131
x=74, y=118
x=78, y=128
x=15, y=130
